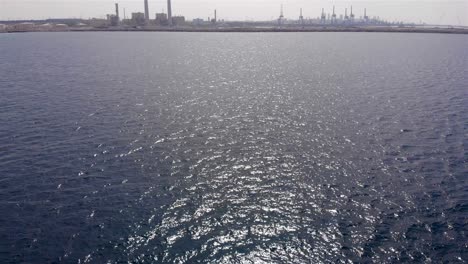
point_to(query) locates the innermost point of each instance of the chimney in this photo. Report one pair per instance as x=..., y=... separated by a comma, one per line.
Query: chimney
x=146, y=11
x=169, y=12
x=117, y=11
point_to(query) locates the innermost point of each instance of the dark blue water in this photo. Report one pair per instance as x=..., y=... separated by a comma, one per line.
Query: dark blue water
x=233, y=148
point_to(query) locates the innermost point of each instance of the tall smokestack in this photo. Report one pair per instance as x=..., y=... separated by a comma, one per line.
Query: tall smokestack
x=169, y=12
x=216, y=17
x=146, y=11
x=117, y=11
x=301, y=18
x=333, y=20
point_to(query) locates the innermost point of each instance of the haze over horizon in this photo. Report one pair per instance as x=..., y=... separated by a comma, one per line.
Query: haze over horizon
x=448, y=12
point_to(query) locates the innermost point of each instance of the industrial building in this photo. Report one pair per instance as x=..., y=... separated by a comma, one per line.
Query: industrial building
x=198, y=21
x=143, y=19
x=98, y=23
x=178, y=20
x=138, y=19
x=113, y=20
x=161, y=19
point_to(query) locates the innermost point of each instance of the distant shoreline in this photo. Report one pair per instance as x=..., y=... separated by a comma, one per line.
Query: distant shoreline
x=268, y=30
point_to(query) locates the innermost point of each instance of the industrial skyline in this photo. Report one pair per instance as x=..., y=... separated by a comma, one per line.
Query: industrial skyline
x=436, y=12
x=165, y=21
x=146, y=20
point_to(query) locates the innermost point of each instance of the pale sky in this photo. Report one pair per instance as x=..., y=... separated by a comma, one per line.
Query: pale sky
x=446, y=12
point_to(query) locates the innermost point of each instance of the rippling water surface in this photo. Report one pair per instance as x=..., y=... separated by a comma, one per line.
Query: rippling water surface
x=233, y=148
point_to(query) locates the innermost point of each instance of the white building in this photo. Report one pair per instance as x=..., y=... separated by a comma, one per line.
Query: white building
x=61, y=27
x=3, y=28
x=45, y=27
x=23, y=27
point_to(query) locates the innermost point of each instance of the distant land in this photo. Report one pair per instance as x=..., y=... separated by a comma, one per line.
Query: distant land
x=94, y=25
x=294, y=29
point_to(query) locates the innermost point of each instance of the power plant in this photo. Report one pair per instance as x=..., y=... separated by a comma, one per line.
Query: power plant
x=139, y=19
x=163, y=19
x=144, y=19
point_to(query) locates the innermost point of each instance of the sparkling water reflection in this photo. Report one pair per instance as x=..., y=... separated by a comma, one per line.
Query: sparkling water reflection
x=233, y=148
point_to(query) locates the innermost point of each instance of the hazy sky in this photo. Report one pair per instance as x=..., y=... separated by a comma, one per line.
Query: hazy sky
x=450, y=12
